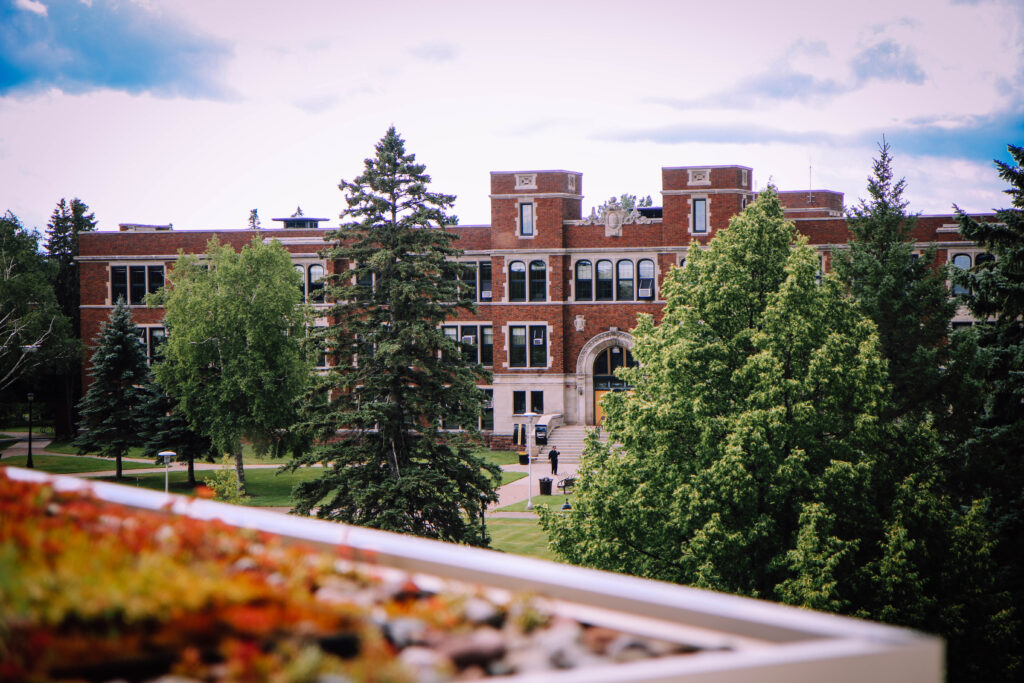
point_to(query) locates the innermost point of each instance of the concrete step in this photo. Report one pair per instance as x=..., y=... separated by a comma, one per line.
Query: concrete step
x=569, y=440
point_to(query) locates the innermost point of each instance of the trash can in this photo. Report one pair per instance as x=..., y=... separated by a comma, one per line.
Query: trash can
x=524, y=459
x=545, y=486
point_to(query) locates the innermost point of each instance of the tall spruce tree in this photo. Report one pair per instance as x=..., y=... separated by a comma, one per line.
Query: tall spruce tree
x=995, y=295
x=113, y=407
x=397, y=380
x=67, y=222
x=903, y=293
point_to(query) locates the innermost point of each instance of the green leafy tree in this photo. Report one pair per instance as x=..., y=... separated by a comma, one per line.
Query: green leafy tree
x=113, y=406
x=397, y=380
x=753, y=459
x=167, y=429
x=996, y=298
x=233, y=358
x=904, y=294
x=29, y=313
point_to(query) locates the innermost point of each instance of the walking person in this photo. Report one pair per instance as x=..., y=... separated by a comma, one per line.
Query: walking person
x=553, y=457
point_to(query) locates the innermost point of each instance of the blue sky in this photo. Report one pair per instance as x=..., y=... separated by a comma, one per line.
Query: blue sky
x=194, y=112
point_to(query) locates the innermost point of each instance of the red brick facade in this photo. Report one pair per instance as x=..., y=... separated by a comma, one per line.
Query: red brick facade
x=573, y=328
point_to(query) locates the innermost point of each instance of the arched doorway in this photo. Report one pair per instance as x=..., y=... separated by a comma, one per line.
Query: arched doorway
x=597, y=361
x=605, y=364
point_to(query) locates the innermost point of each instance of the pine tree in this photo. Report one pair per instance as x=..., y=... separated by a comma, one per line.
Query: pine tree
x=996, y=299
x=167, y=429
x=904, y=294
x=67, y=222
x=397, y=381
x=112, y=409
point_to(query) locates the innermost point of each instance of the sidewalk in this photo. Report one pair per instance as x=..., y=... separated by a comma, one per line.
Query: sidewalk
x=509, y=494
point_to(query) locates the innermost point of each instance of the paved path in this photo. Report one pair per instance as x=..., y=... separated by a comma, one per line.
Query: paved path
x=509, y=494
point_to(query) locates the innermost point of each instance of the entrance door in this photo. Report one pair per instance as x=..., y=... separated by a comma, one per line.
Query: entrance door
x=605, y=380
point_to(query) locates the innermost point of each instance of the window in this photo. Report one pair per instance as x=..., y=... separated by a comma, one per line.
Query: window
x=487, y=418
x=963, y=262
x=316, y=282
x=301, y=270
x=470, y=344
x=605, y=288
x=468, y=277
x=537, y=402
x=538, y=346
x=526, y=219
x=624, y=280
x=486, y=345
x=485, y=280
x=645, y=274
x=528, y=346
x=517, y=281
x=538, y=281
x=152, y=339
x=584, y=281
x=518, y=402
x=700, y=215
x=452, y=332
x=132, y=283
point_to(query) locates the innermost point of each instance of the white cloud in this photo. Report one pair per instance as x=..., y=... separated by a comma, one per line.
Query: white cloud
x=33, y=6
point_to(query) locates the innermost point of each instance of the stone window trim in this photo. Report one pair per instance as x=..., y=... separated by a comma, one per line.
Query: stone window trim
x=154, y=276
x=691, y=217
x=528, y=324
x=518, y=218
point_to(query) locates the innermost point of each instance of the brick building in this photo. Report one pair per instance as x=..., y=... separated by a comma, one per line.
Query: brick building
x=558, y=291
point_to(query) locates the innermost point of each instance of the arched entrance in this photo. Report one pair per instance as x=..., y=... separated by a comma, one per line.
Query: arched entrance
x=605, y=381
x=595, y=368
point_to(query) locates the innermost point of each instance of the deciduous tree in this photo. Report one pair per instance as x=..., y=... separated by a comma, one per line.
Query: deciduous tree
x=233, y=358
x=397, y=381
x=753, y=459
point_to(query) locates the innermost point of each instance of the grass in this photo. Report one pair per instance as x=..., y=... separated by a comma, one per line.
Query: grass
x=45, y=430
x=56, y=464
x=6, y=442
x=498, y=458
x=519, y=536
x=509, y=477
x=553, y=502
x=68, y=448
x=266, y=488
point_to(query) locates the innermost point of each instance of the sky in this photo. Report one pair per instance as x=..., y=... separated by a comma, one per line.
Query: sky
x=194, y=112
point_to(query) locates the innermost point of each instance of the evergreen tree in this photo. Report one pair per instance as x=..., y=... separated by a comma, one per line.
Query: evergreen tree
x=904, y=294
x=753, y=459
x=379, y=413
x=996, y=299
x=233, y=359
x=113, y=407
x=254, y=220
x=167, y=429
x=68, y=221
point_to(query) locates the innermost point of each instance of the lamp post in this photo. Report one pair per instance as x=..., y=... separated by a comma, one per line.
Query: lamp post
x=530, y=417
x=31, y=348
x=167, y=455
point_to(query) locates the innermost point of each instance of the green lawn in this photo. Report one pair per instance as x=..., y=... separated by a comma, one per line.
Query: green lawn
x=66, y=447
x=6, y=442
x=553, y=502
x=509, y=477
x=58, y=465
x=519, y=536
x=266, y=487
x=498, y=458
x=36, y=429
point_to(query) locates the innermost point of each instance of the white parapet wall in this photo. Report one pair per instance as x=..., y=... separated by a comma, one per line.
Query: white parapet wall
x=742, y=639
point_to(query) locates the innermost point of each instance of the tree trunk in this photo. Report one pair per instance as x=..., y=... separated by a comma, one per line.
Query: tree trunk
x=118, y=458
x=191, y=470
x=239, y=470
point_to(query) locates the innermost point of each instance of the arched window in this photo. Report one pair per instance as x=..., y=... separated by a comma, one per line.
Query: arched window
x=605, y=365
x=963, y=262
x=316, y=282
x=538, y=281
x=645, y=275
x=301, y=270
x=624, y=280
x=584, y=281
x=983, y=258
x=605, y=282
x=517, y=281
